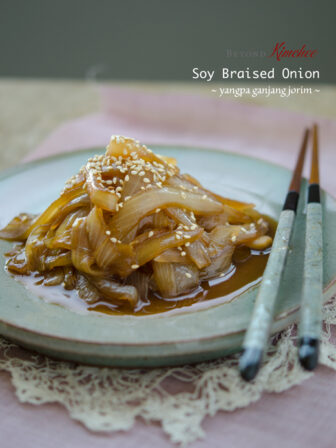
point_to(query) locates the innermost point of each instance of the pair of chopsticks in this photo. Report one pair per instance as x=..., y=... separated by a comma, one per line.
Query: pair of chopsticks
x=311, y=314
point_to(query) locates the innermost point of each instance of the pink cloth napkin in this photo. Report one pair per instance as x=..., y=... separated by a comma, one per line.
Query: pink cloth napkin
x=300, y=417
x=185, y=119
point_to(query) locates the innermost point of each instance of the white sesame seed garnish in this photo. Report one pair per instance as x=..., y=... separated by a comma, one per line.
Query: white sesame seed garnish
x=108, y=232
x=127, y=198
x=187, y=244
x=221, y=274
x=204, y=196
x=151, y=233
x=146, y=180
x=157, y=210
x=126, y=178
x=188, y=275
x=142, y=173
x=234, y=238
x=135, y=266
x=114, y=240
x=187, y=237
x=177, y=236
x=183, y=254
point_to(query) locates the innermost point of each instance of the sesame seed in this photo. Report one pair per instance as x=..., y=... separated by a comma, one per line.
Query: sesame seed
x=142, y=188
x=114, y=240
x=146, y=180
x=135, y=266
x=188, y=275
x=177, y=236
x=127, y=198
x=126, y=178
x=133, y=172
x=157, y=210
x=187, y=237
x=108, y=232
x=151, y=233
x=109, y=182
x=187, y=244
x=221, y=274
x=193, y=227
x=234, y=238
x=183, y=254
x=204, y=196
x=142, y=173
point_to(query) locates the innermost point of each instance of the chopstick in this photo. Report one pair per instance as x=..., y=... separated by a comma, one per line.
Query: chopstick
x=311, y=305
x=258, y=331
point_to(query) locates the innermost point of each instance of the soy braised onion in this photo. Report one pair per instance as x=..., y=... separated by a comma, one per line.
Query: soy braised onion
x=129, y=226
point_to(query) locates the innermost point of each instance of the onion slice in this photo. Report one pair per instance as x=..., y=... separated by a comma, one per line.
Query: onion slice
x=173, y=279
x=81, y=254
x=145, y=203
x=154, y=246
x=122, y=294
x=99, y=195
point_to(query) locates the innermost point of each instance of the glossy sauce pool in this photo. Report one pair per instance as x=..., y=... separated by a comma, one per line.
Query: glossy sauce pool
x=245, y=271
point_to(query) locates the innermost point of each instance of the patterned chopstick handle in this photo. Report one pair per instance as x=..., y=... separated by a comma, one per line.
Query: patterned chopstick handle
x=311, y=305
x=262, y=316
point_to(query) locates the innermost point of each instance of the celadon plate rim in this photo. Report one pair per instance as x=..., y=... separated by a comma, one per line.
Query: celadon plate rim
x=140, y=353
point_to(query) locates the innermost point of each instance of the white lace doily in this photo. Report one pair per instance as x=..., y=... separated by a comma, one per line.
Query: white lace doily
x=110, y=399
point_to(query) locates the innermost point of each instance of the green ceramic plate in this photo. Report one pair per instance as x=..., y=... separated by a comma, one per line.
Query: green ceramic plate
x=194, y=333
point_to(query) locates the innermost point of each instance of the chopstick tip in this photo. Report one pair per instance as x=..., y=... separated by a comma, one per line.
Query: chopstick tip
x=249, y=363
x=308, y=353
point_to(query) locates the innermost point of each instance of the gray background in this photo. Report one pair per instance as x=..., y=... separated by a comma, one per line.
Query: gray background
x=159, y=39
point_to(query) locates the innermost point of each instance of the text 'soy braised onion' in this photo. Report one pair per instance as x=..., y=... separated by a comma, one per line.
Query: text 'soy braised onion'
x=130, y=226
